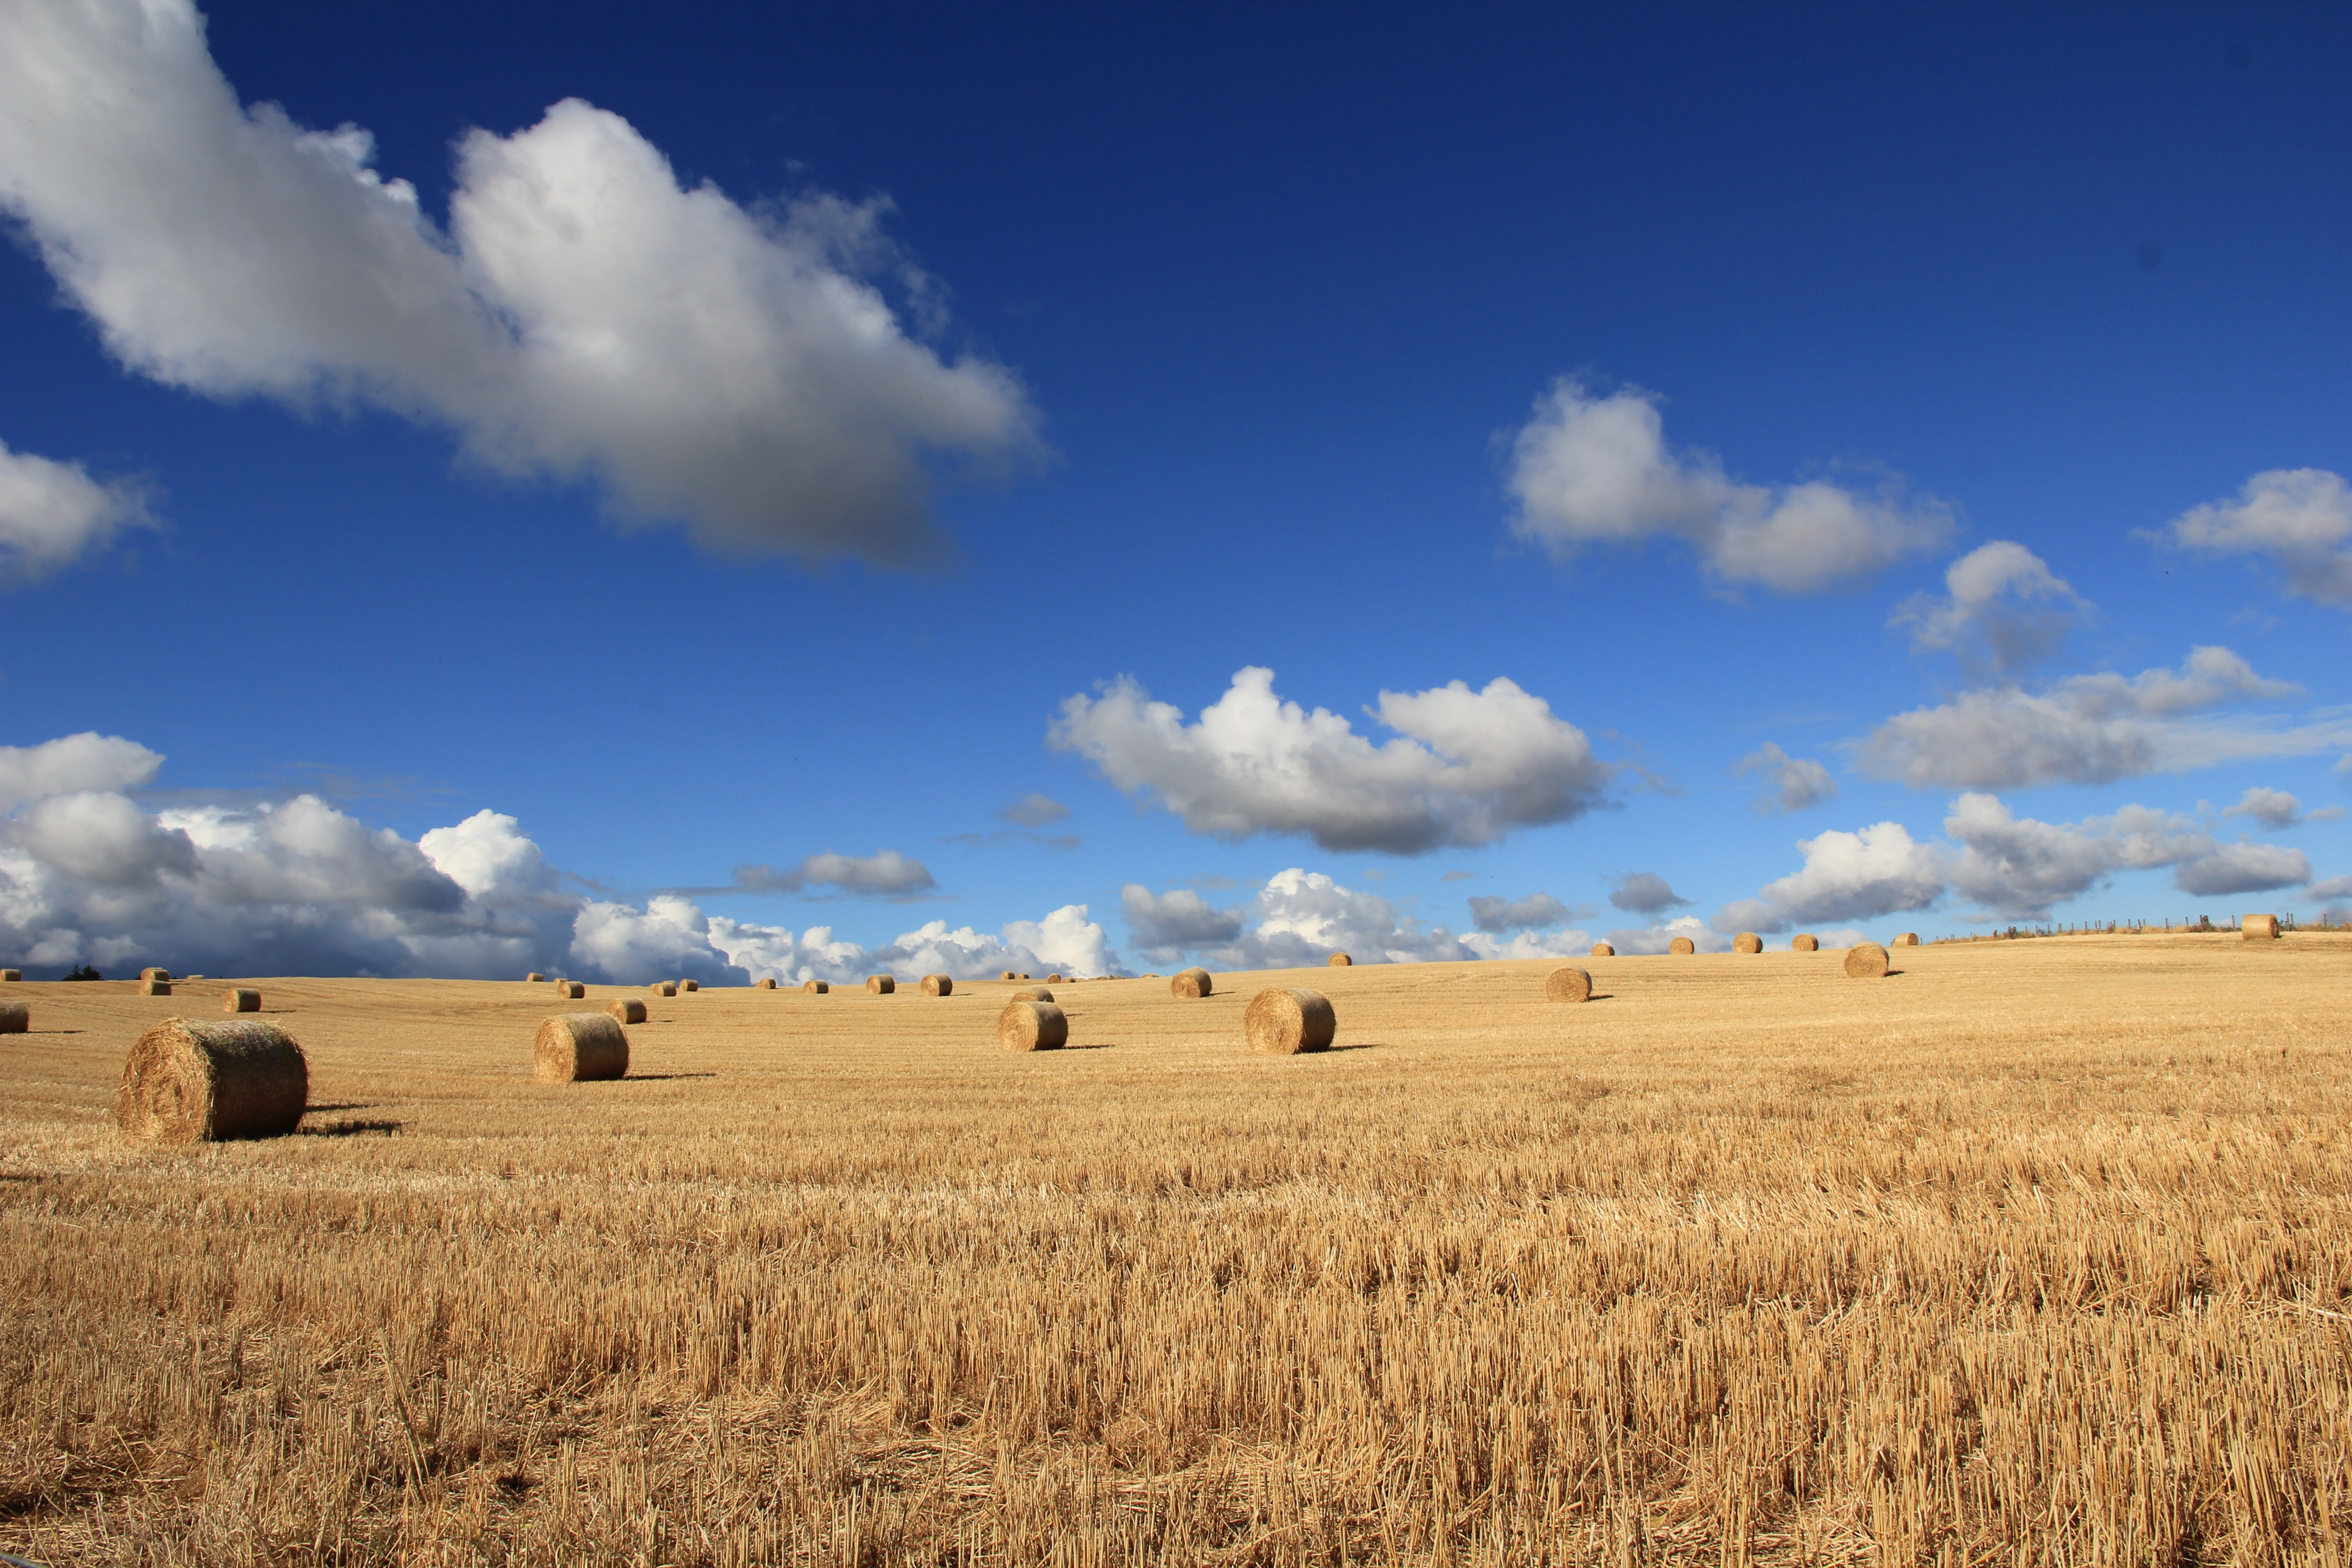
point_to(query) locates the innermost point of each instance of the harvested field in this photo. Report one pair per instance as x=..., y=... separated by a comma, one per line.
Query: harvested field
x=2029, y=1252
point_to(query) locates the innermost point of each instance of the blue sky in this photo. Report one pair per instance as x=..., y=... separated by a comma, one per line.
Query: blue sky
x=761, y=426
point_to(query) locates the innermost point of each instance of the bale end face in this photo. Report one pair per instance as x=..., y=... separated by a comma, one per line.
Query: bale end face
x=937, y=985
x=16, y=1017
x=1030, y=1025
x=571, y=991
x=1682, y=947
x=1286, y=1020
x=1865, y=960
x=1339, y=961
x=1748, y=942
x=2258, y=928
x=815, y=988
x=186, y=1082
x=627, y=1010
x=154, y=988
x=1192, y=982
x=534, y=978
x=881, y=984
x=575, y=1048
x=1908, y=939
x=1602, y=949
x=241, y=999
x=1806, y=943
x=1568, y=983
x=763, y=984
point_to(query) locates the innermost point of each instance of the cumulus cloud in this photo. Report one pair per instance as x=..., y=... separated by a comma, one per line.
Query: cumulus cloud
x=2273, y=808
x=738, y=371
x=2003, y=609
x=88, y=761
x=2242, y=867
x=1036, y=810
x=1846, y=877
x=1467, y=768
x=53, y=513
x=1175, y=921
x=1645, y=893
x=1587, y=469
x=2017, y=868
x=2092, y=729
x=1656, y=939
x=1790, y=784
x=887, y=875
x=1536, y=911
x=2298, y=519
x=2331, y=890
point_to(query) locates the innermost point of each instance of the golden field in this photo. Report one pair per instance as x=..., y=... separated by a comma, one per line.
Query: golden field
x=2034, y=1252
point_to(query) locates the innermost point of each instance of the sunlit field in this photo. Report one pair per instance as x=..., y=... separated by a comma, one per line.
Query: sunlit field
x=2032, y=1252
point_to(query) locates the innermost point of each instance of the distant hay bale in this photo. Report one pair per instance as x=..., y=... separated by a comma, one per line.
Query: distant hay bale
x=627, y=1010
x=1339, y=961
x=1192, y=982
x=576, y=1047
x=2258, y=928
x=1602, y=949
x=1748, y=942
x=881, y=984
x=186, y=1082
x=16, y=1017
x=1022, y=976
x=1807, y=943
x=1008, y=974
x=689, y=985
x=815, y=988
x=155, y=975
x=1286, y=1020
x=1567, y=984
x=763, y=984
x=12, y=974
x=1052, y=980
x=1908, y=939
x=937, y=985
x=1865, y=960
x=1682, y=947
x=154, y=988
x=1033, y=993
x=663, y=988
x=240, y=999
x=534, y=978
x=571, y=991
x=1030, y=1025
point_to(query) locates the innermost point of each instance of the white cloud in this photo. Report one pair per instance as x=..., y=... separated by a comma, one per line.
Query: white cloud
x=88, y=761
x=2018, y=868
x=582, y=316
x=2329, y=892
x=2242, y=867
x=1175, y=921
x=1846, y=877
x=1036, y=810
x=53, y=513
x=1634, y=940
x=1790, y=784
x=1298, y=919
x=1538, y=911
x=886, y=874
x=2091, y=729
x=1467, y=767
x=1645, y=893
x=2301, y=519
x=1587, y=469
x=2003, y=609
x=2273, y=808
x=1065, y=942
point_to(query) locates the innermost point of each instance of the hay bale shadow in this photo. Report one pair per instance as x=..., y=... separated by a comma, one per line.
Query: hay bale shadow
x=661, y=1076
x=355, y=1128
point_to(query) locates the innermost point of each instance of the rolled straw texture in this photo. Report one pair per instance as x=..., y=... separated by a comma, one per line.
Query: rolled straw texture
x=2258, y=928
x=154, y=988
x=1033, y=993
x=1285, y=1020
x=815, y=988
x=1865, y=960
x=534, y=978
x=12, y=974
x=1027, y=1025
x=937, y=985
x=1808, y=943
x=571, y=991
x=663, y=988
x=881, y=984
x=763, y=984
x=240, y=999
x=1602, y=949
x=16, y=1017
x=689, y=985
x=1748, y=942
x=627, y=1010
x=186, y=1082
x=1008, y=974
x=1682, y=947
x=1339, y=961
x=155, y=975
x=1908, y=939
x=1567, y=984
x=1194, y=982
x=574, y=1047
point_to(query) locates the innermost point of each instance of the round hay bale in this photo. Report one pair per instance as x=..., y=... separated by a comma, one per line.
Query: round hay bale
x=1008, y=974
x=1748, y=942
x=815, y=988
x=1033, y=993
x=12, y=974
x=534, y=978
x=1194, y=982
x=1865, y=960
x=937, y=985
x=154, y=988
x=1908, y=939
x=1602, y=949
x=16, y=1017
x=627, y=1010
x=575, y=1048
x=689, y=985
x=1027, y=1025
x=240, y=999
x=2258, y=928
x=1682, y=947
x=881, y=984
x=1052, y=980
x=155, y=975
x=1286, y=1020
x=571, y=991
x=1339, y=961
x=186, y=1082
x=1567, y=984
x=663, y=988
x=1805, y=942
x=763, y=984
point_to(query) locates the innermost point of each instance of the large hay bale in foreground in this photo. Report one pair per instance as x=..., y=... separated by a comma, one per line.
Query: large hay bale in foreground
x=1865, y=960
x=663, y=988
x=1286, y=1020
x=16, y=1017
x=571, y=991
x=154, y=988
x=240, y=999
x=627, y=1010
x=881, y=984
x=576, y=1047
x=155, y=975
x=1033, y=993
x=1805, y=942
x=1908, y=939
x=1748, y=942
x=2258, y=928
x=1602, y=949
x=534, y=978
x=1340, y=960
x=815, y=988
x=1192, y=982
x=763, y=983
x=186, y=1082
x=1567, y=984
x=937, y=985
x=1682, y=947
x=1028, y=1026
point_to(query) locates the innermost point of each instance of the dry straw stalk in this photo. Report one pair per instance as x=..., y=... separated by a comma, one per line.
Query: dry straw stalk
x=575, y=1048
x=1286, y=1020
x=1029, y=1025
x=186, y=1082
x=1568, y=983
x=1194, y=982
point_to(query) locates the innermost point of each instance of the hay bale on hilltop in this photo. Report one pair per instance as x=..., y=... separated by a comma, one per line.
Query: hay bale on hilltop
x=2258, y=928
x=1029, y=1025
x=881, y=984
x=689, y=985
x=1033, y=993
x=763, y=983
x=1865, y=960
x=534, y=978
x=1602, y=949
x=627, y=1010
x=663, y=988
x=579, y=1047
x=1008, y=974
x=1567, y=984
x=12, y=974
x=1194, y=982
x=1052, y=980
x=1805, y=942
x=186, y=1082
x=571, y=991
x=154, y=988
x=155, y=975
x=1339, y=961
x=1286, y=1020
x=16, y=1017
x=1682, y=947
x=1748, y=942
x=937, y=985
x=240, y=999
x=815, y=988
x=1908, y=939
